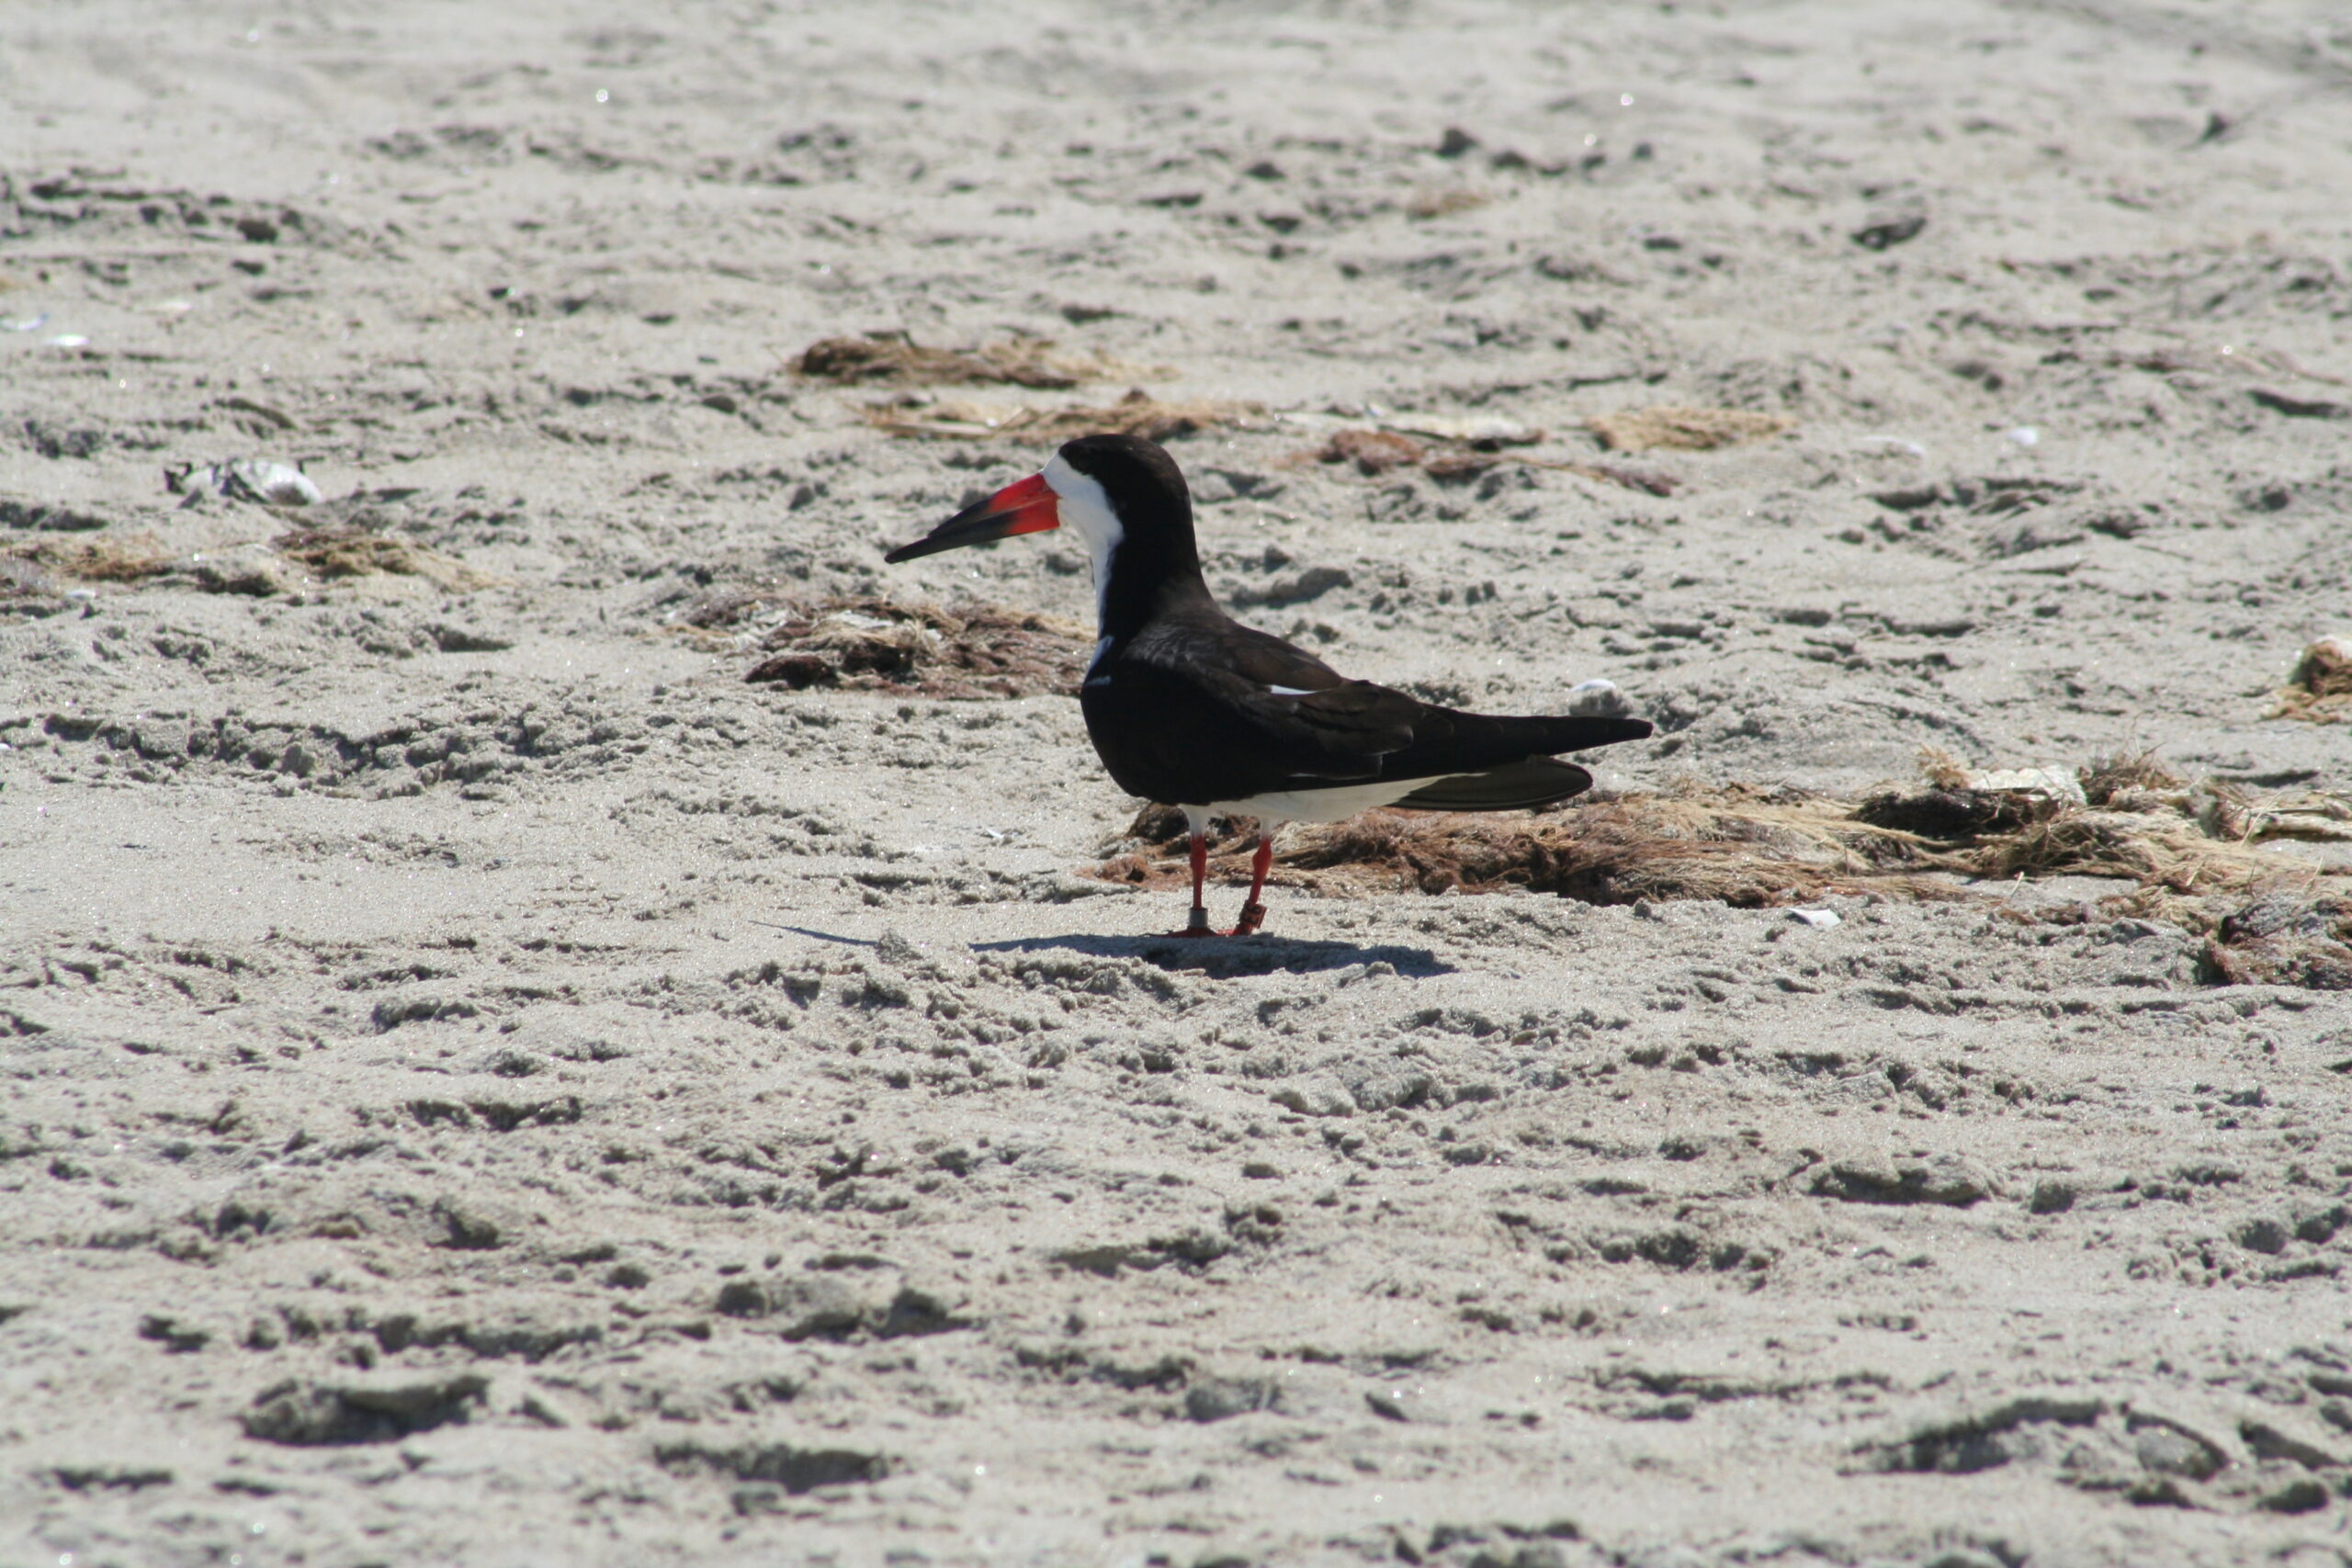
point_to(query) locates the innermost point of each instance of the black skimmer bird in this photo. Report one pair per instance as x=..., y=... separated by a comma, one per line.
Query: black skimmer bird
x=1189, y=707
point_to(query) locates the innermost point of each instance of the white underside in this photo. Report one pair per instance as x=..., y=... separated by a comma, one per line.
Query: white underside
x=1336, y=803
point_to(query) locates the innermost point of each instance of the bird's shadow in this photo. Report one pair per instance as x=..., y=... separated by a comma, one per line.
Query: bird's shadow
x=1258, y=954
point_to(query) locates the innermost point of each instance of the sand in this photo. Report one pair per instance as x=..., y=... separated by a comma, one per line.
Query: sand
x=489, y=1084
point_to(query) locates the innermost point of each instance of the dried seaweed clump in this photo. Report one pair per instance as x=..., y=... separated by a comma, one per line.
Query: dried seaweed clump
x=1750, y=848
x=2127, y=817
x=2321, y=690
x=1942, y=813
x=1375, y=452
x=965, y=652
x=330, y=554
x=346, y=550
x=1684, y=429
x=1443, y=201
x=24, y=586
x=2288, y=936
x=105, y=559
x=894, y=359
x=2190, y=851
x=2129, y=780
x=1138, y=413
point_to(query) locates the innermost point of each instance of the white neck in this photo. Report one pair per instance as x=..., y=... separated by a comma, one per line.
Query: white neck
x=1085, y=507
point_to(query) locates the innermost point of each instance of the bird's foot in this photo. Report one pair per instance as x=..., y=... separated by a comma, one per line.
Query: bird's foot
x=1252, y=916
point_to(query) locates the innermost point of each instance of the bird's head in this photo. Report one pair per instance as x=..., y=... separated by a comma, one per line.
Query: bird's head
x=1108, y=489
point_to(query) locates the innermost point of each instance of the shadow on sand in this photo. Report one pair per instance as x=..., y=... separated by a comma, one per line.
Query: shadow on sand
x=820, y=936
x=1220, y=955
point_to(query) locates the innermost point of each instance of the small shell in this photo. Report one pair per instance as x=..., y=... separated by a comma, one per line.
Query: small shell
x=1598, y=699
x=2055, y=783
x=246, y=479
x=277, y=484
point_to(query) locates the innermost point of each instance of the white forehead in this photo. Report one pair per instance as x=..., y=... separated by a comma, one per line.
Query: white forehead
x=1085, y=509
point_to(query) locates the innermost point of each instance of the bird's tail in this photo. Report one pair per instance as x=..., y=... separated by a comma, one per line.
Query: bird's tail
x=1452, y=742
x=1514, y=786
x=1548, y=737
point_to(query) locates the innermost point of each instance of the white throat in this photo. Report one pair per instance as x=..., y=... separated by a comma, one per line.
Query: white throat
x=1086, y=508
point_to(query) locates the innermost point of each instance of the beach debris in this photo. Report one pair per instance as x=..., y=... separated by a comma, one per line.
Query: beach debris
x=244, y=479
x=895, y=359
x=2127, y=781
x=106, y=557
x=1750, y=848
x=2287, y=936
x=1890, y=233
x=959, y=652
x=723, y=605
x=1988, y=496
x=2300, y=407
x=773, y=1470
x=129, y=560
x=1952, y=1180
x=1598, y=699
x=2183, y=862
x=379, y=1409
x=1682, y=429
x=1942, y=813
x=25, y=587
x=1483, y=432
x=1819, y=919
x=347, y=550
x=2319, y=690
x=2053, y=784
x=1440, y=201
x=2313, y=815
x=1375, y=452
x=257, y=419
x=1138, y=413
x=249, y=567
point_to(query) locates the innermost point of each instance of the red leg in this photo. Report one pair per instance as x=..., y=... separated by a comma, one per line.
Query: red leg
x=1197, y=924
x=1253, y=913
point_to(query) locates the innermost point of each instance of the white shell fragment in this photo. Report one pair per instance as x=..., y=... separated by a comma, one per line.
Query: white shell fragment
x=1474, y=429
x=246, y=479
x=1598, y=699
x=1820, y=920
x=2055, y=783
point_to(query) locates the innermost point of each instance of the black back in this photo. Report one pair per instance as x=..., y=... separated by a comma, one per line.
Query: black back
x=1186, y=705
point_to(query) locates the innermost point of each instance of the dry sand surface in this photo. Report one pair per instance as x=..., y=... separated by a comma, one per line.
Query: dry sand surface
x=488, y=1083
